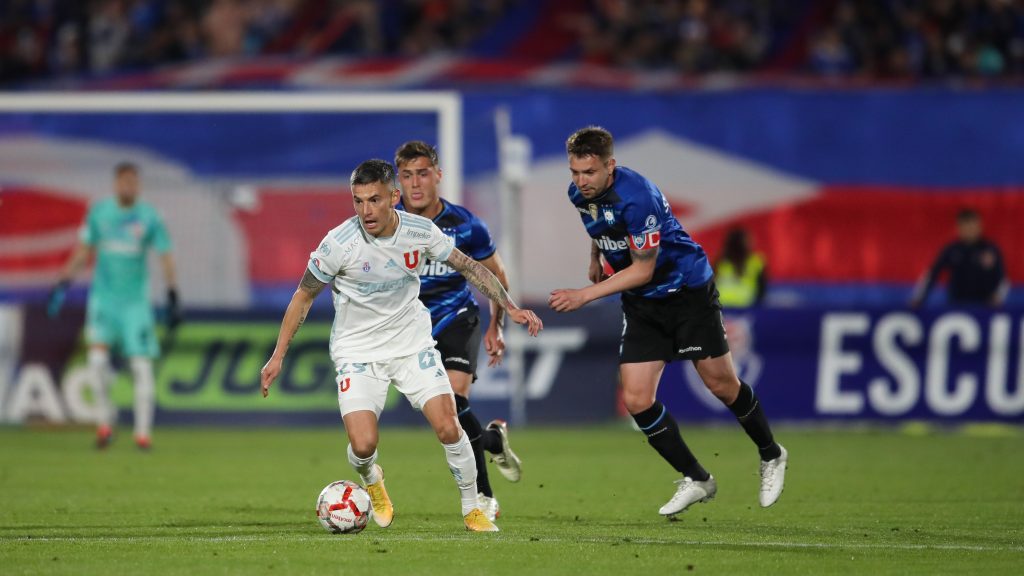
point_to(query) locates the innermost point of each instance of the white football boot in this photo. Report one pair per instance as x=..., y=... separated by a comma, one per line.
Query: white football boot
x=489, y=506
x=773, y=475
x=507, y=462
x=688, y=492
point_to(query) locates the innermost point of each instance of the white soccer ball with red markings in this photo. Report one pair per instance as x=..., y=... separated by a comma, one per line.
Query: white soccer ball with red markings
x=343, y=507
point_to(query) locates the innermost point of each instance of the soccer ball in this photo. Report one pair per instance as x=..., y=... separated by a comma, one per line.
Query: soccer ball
x=343, y=507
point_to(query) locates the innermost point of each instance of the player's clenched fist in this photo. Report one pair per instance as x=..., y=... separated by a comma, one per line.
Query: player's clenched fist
x=269, y=373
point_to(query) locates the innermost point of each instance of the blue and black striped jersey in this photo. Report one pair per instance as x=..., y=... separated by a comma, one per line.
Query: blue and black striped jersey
x=633, y=213
x=443, y=290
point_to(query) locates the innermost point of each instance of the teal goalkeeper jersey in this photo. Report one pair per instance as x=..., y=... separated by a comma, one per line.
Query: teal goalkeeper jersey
x=122, y=238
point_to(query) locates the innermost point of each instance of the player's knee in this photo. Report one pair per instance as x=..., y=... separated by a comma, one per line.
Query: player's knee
x=724, y=386
x=636, y=401
x=98, y=357
x=449, y=431
x=364, y=445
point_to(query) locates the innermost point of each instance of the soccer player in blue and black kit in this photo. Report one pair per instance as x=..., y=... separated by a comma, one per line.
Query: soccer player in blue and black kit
x=454, y=312
x=670, y=312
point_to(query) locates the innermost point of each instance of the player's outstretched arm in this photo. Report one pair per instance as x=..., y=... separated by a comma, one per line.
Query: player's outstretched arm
x=488, y=284
x=494, y=340
x=636, y=274
x=309, y=288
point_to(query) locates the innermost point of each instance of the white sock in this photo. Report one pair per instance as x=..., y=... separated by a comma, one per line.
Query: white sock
x=145, y=395
x=364, y=466
x=98, y=360
x=462, y=463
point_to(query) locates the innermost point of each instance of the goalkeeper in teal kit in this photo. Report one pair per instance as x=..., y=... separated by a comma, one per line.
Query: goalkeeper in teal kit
x=119, y=232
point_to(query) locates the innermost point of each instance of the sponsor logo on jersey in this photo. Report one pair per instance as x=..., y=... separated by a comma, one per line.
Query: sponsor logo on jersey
x=325, y=249
x=316, y=262
x=367, y=288
x=432, y=268
x=651, y=223
x=391, y=263
x=366, y=266
x=592, y=208
x=689, y=349
x=606, y=243
x=644, y=241
x=412, y=259
x=417, y=234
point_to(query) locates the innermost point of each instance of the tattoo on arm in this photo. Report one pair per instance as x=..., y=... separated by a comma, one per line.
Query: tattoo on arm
x=481, y=277
x=643, y=255
x=311, y=284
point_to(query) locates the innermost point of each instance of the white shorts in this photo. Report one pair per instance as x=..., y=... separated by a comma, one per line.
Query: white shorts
x=364, y=385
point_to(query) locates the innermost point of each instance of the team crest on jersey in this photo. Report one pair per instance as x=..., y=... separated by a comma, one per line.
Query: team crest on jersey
x=609, y=216
x=593, y=211
x=366, y=266
x=412, y=259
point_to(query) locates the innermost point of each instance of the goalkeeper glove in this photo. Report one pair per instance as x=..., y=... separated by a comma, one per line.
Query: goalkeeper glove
x=56, y=299
x=173, y=311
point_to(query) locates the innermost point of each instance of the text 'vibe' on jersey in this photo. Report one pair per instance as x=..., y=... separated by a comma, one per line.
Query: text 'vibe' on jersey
x=443, y=290
x=376, y=284
x=633, y=213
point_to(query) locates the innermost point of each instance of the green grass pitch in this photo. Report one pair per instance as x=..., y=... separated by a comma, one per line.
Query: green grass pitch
x=209, y=501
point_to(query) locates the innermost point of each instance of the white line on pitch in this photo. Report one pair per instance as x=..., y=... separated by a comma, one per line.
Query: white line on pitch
x=439, y=538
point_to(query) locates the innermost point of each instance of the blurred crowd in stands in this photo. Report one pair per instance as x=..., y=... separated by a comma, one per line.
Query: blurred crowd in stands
x=40, y=38
x=873, y=39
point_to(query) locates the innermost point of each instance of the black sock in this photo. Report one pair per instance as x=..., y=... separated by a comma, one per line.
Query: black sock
x=663, y=435
x=491, y=442
x=750, y=415
x=474, y=432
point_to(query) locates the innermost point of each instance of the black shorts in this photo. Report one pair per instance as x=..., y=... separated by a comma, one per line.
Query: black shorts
x=684, y=326
x=459, y=342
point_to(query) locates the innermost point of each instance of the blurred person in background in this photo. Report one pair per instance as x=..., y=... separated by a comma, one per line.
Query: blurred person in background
x=119, y=232
x=670, y=310
x=454, y=312
x=740, y=272
x=977, y=275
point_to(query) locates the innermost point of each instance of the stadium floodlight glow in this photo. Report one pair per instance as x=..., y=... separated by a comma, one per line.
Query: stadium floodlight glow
x=447, y=105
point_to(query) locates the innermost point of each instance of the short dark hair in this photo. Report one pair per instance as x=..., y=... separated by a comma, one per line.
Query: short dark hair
x=591, y=141
x=375, y=170
x=967, y=215
x=414, y=149
x=123, y=167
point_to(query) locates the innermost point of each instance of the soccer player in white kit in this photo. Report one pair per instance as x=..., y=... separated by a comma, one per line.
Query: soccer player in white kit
x=382, y=332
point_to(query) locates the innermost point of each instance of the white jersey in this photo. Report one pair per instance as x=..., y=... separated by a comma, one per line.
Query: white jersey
x=376, y=283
